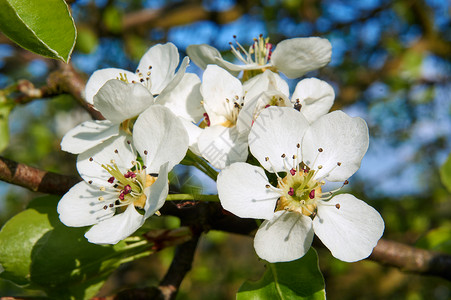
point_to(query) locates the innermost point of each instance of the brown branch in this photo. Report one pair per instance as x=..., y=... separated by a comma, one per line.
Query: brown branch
x=35, y=179
x=169, y=286
x=411, y=259
x=394, y=254
x=65, y=80
x=179, y=14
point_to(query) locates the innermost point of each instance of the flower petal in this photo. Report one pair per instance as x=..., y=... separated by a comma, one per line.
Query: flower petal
x=287, y=236
x=203, y=54
x=295, y=57
x=185, y=99
x=220, y=90
x=100, y=77
x=162, y=61
x=103, y=154
x=194, y=132
x=118, y=101
x=222, y=146
x=157, y=192
x=80, y=206
x=116, y=228
x=87, y=135
x=264, y=82
x=343, y=140
x=277, y=131
x=349, y=227
x=242, y=191
x=160, y=134
x=315, y=96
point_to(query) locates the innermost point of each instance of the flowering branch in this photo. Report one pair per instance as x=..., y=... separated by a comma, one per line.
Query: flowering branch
x=211, y=216
x=35, y=179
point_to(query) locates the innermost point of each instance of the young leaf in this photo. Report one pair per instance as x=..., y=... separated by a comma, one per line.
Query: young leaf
x=43, y=27
x=37, y=250
x=5, y=109
x=445, y=173
x=299, y=279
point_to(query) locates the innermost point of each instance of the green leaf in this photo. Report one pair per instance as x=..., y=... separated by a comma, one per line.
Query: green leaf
x=299, y=279
x=438, y=239
x=38, y=251
x=445, y=173
x=5, y=109
x=43, y=27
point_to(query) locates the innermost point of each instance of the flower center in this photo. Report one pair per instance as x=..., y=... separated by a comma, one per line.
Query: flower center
x=129, y=186
x=259, y=52
x=300, y=192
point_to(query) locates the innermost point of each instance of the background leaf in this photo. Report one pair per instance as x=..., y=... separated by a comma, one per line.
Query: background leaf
x=37, y=250
x=43, y=27
x=299, y=279
x=445, y=174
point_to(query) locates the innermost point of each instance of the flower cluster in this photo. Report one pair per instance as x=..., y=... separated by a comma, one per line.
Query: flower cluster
x=276, y=152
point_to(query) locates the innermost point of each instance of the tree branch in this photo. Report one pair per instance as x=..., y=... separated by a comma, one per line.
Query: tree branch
x=411, y=259
x=35, y=179
x=65, y=80
x=394, y=254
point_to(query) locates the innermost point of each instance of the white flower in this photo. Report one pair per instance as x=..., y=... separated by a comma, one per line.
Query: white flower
x=296, y=207
x=120, y=101
x=156, y=71
x=116, y=185
x=231, y=109
x=293, y=57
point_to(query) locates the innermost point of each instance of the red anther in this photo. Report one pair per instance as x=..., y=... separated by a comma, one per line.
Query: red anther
x=207, y=119
x=111, y=179
x=127, y=189
x=312, y=194
x=121, y=195
x=130, y=174
x=269, y=47
x=292, y=172
x=291, y=191
x=267, y=105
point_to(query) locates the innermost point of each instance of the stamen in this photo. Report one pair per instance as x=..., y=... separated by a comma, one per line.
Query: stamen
x=311, y=195
x=337, y=206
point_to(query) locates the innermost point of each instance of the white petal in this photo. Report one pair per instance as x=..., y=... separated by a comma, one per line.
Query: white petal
x=295, y=57
x=350, y=231
x=185, y=99
x=80, y=206
x=87, y=135
x=103, y=154
x=157, y=192
x=162, y=135
x=242, y=191
x=100, y=77
x=222, y=146
x=264, y=82
x=315, y=96
x=175, y=79
x=217, y=86
x=116, y=228
x=344, y=140
x=118, y=101
x=277, y=131
x=194, y=132
x=252, y=109
x=287, y=236
x=163, y=59
x=203, y=54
